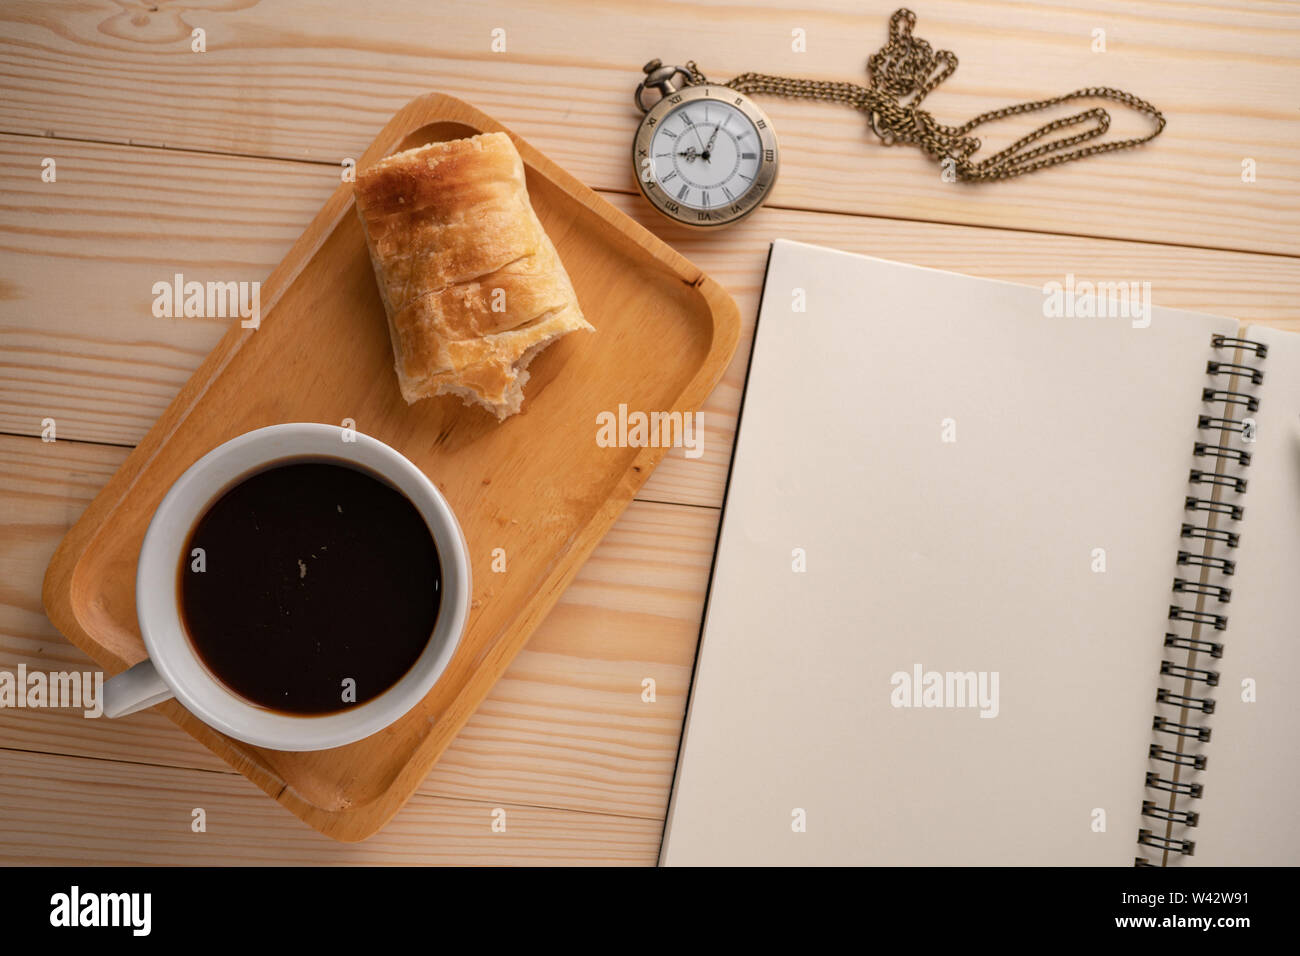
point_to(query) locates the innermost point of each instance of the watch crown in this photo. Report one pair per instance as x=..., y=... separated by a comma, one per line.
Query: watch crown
x=659, y=77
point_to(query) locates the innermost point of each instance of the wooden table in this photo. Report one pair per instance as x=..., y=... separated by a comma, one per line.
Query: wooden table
x=211, y=163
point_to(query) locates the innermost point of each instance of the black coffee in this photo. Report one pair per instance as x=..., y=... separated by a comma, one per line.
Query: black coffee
x=314, y=574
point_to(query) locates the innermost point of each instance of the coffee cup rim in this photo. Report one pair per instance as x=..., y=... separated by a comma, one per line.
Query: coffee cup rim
x=170, y=649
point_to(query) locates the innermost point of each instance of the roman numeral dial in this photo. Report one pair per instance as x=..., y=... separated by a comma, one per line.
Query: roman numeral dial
x=710, y=151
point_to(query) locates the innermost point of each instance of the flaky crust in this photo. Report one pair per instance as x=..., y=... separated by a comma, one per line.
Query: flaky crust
x=472, y=285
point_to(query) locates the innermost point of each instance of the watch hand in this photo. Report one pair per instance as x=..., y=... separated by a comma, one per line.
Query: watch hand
x=708, y=150
x=700, y=137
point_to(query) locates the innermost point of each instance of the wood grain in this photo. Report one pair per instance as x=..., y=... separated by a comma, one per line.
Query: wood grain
x=64, y=810
x=538, y=488
x=90, y=354
x=565, y=727
x=315, y=83
x=77, y=340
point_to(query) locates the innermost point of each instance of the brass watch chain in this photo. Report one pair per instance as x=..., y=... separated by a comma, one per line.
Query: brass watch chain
x=908, y=66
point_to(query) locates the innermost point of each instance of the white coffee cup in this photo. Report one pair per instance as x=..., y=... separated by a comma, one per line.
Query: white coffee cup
x=173, y=669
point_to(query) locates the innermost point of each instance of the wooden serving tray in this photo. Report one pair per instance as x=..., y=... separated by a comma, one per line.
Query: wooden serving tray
x=537, y=485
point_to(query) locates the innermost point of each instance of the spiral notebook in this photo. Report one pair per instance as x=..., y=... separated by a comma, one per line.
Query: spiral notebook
x=1003, y=577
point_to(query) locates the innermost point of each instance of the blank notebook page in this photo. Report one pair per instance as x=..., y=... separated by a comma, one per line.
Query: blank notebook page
x=970, y=555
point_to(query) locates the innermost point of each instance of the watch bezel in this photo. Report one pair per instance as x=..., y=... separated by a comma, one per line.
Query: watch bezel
x=764, y=178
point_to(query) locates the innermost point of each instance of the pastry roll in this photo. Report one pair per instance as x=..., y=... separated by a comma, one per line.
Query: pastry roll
x=471, y=283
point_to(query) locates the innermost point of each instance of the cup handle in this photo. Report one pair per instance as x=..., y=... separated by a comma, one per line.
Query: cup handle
x=134, y=689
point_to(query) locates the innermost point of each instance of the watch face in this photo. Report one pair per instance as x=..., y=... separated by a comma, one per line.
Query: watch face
x=706, y=156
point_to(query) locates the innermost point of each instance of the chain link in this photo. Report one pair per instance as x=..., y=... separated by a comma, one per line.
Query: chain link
x=907, y=66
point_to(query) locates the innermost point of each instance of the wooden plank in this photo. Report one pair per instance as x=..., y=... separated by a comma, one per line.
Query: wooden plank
x=66, y=810
x=287, y=80
x=566, y=726
x=90, y=354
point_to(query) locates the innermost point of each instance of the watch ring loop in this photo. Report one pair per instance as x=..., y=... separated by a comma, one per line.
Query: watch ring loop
x=676, y=71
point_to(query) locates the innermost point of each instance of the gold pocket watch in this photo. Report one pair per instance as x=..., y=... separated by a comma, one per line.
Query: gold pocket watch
x=705, y=155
